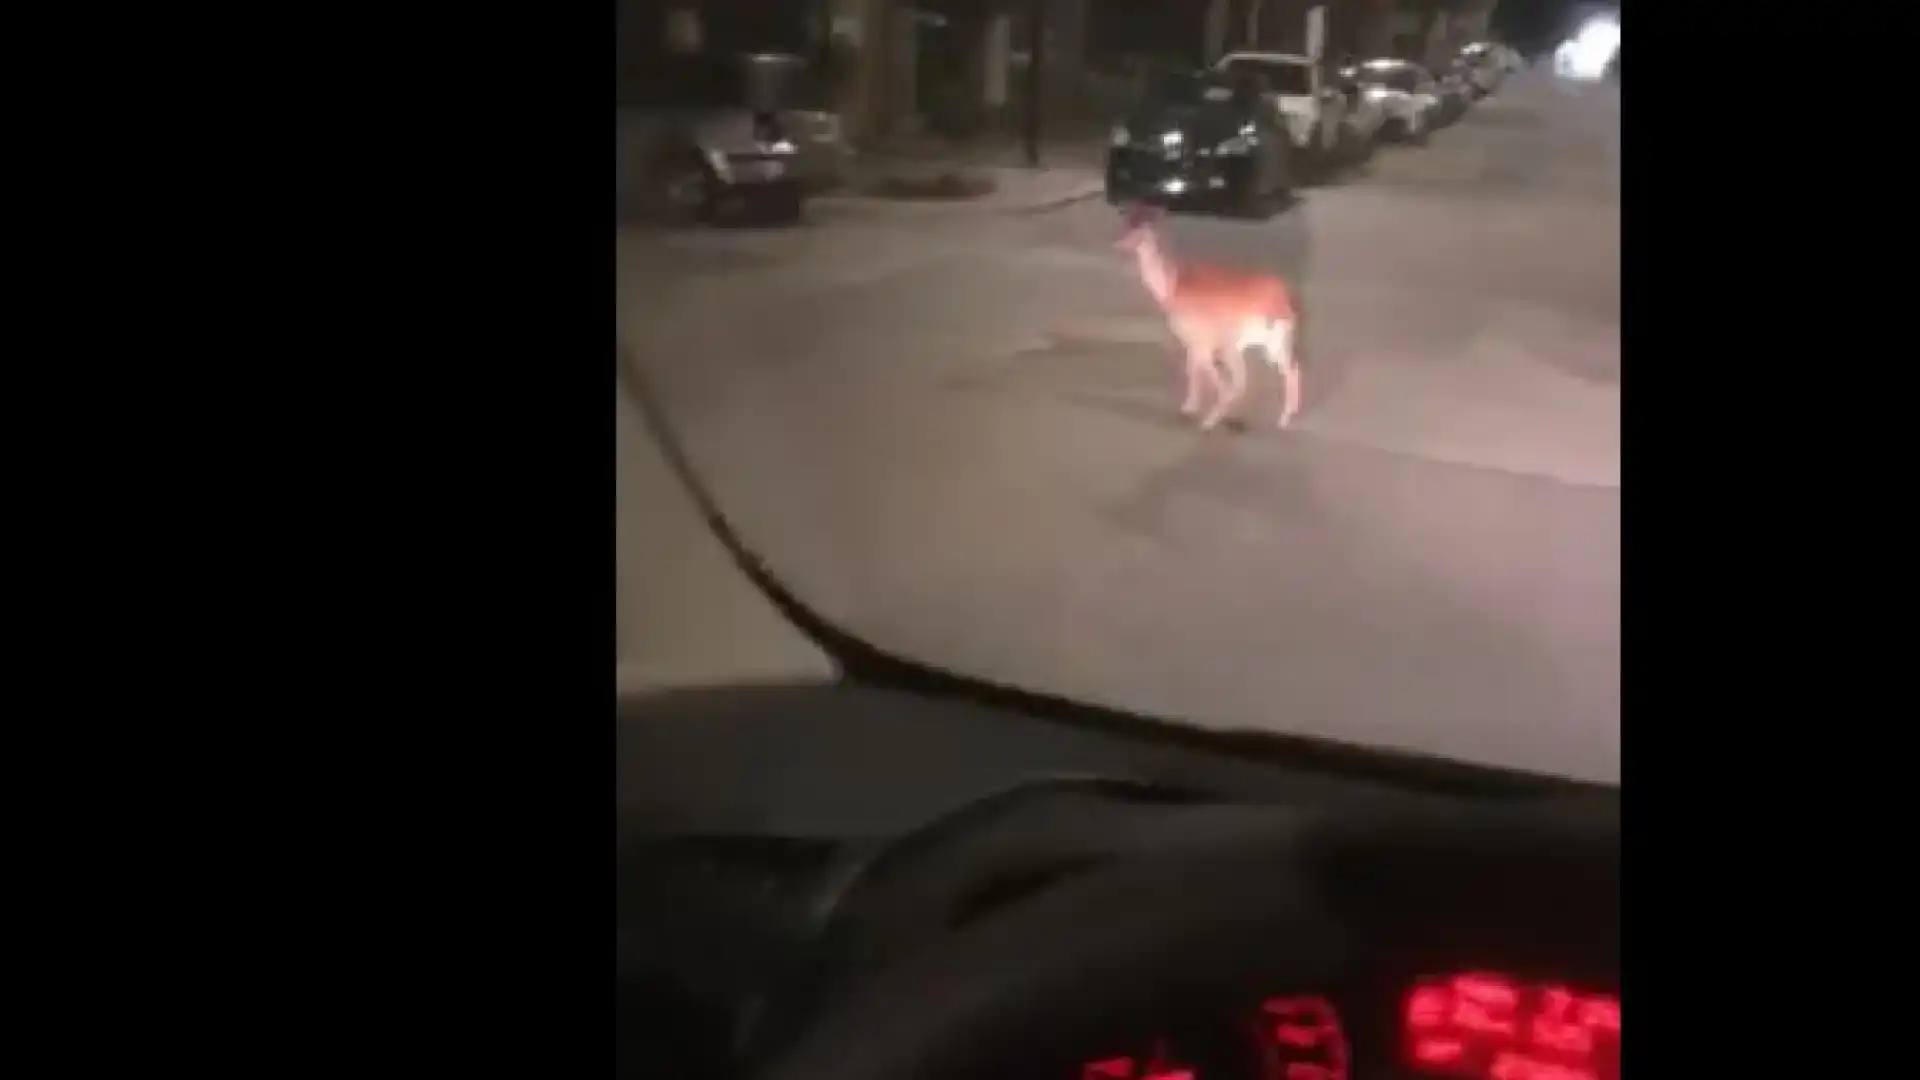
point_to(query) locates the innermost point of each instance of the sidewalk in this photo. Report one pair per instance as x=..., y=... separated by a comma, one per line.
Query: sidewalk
x=1070, y=170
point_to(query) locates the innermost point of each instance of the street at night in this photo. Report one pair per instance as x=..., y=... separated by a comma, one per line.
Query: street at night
x=953, y=432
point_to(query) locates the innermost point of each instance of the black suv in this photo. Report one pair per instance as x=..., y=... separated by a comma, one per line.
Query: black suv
x=1201, y=137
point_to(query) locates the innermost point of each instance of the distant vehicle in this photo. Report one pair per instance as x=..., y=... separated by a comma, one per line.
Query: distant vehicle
x=791, y=88
x=697, y=135
x=1201, y=136
x=1308, y=102
x=1406, y=94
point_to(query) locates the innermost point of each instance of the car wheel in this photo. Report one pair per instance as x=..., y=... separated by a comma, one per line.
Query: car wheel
x=688, y=188
x=1280, y=191
x=1254, y=196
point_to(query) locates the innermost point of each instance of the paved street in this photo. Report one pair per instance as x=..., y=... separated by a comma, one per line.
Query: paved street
x=955, y=435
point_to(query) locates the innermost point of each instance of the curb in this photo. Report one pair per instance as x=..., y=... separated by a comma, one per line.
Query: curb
x=957, y=206
x=1061, y=203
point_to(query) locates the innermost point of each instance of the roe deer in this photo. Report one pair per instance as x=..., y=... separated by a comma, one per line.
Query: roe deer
x=1217, y=312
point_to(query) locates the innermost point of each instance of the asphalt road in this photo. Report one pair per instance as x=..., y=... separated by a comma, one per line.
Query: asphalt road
x=956, y=436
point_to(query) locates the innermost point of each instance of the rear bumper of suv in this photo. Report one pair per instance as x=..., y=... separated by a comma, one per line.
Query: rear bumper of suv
x=755, y=170
x=1137, y=174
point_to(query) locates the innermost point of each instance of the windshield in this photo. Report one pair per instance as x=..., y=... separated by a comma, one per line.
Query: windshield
x=1279, y=76
x=1329, y=448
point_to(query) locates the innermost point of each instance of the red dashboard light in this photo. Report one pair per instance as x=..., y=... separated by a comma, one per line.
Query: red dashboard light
x=1304, y=1039
x=1440, y=1050
x=1489, y=1027
x=1126, y=1068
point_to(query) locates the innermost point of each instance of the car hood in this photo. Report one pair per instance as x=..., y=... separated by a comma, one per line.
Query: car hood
x=1200, y=125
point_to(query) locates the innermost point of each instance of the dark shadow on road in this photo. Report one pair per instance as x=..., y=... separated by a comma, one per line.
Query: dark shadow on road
x=1215, y=471
x=1257, y=414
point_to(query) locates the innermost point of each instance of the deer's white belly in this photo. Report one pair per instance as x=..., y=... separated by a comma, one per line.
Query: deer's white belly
x=1255, y=332
x=1274, y=337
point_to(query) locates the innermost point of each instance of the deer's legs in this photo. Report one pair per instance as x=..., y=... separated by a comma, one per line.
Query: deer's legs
x=1234, y=360
x=1290, y=385
x=1199, y=366
x=1280, y=351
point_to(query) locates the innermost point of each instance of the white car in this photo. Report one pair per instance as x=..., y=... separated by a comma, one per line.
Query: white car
x=1407, y=96
x=1310, y=106
x=1482, y=67
x=1366, y=114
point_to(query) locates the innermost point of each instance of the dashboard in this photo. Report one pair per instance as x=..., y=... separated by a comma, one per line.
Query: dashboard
x=1475, y=1025
x=793, y=895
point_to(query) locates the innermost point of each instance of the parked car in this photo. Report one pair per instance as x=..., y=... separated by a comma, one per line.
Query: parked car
x=1482, y=67
x=1306, y=101
x=791, y=88
x=1364, y=118
x=1201, y=136
x=1454, y=89
x=1405, y=93
x=695, y=136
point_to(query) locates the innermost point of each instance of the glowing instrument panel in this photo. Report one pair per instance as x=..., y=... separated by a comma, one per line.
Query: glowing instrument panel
x=1491, y=1027
x=1473, y=1026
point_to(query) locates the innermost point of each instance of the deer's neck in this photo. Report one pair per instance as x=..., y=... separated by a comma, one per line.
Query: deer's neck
x=1155, y=271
